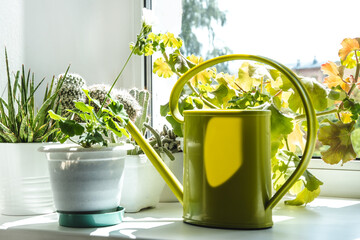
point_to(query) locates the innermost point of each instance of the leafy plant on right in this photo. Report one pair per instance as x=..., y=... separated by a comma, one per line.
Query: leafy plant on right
x=343, y=80
x=258, y=86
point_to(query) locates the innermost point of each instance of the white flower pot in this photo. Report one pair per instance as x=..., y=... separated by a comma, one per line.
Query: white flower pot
x=142, y=183
x=86, y=179
x=177, y=168
x=24, y=180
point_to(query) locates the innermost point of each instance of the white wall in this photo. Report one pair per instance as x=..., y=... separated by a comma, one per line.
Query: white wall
x=11, y=36
x=91, y=35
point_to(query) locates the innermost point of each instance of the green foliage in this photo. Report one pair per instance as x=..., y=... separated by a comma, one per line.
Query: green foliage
x=96, y=124
x=142, y=97
x=308, y=186
x=338, y=137
x=318, y=95
x=260, y=87
x=20, y=122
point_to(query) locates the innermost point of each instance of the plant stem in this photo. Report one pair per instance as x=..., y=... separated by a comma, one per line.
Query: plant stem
x=206, y=102
x=318, y=114
x=118, y=76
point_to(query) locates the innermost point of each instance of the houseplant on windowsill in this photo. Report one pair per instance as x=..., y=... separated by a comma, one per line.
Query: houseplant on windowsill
x=86, y=177
x=142, y=184
x=258, y=86
x=82, y=198
x=24, y=178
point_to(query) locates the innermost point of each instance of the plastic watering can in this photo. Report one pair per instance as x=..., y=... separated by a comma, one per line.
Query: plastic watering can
x=227, y=159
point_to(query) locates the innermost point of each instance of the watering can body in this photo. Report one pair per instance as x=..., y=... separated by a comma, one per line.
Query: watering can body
x=227, y=175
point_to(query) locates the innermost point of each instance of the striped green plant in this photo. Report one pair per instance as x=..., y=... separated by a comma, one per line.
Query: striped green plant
x=19, y=119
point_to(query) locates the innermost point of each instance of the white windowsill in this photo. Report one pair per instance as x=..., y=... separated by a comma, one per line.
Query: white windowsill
x=325, y=218
x=339, y=181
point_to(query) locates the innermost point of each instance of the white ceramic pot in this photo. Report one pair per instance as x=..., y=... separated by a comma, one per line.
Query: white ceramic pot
x=86, y=179
x=142, y=183
x=24, y=180
x=177, y=168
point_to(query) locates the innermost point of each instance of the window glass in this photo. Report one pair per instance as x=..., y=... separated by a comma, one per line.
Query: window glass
x=300, y=34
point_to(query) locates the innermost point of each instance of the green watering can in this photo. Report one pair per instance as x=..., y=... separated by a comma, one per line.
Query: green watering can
x=227, y=172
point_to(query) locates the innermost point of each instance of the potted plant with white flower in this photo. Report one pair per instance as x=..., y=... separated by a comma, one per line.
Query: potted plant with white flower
x=87, y=175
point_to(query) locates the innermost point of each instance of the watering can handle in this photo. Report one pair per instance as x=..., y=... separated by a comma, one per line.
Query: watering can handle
x=309, y=110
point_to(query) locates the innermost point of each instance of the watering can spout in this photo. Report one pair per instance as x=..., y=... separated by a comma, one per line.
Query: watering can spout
x=158, y=163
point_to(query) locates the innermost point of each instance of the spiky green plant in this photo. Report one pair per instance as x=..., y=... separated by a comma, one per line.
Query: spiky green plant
x=143, y=98
x=19, y=121
x=71, y=92
x=131, y=105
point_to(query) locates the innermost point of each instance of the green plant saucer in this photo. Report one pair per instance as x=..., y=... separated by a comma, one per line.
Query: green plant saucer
x=91, y=219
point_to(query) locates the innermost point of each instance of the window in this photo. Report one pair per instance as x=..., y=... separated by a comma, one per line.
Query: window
x=302, y=35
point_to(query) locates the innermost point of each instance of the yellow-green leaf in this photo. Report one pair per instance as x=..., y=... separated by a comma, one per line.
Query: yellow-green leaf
x=304, y=197
x=162, y=69
x=348, y=45
x=296, y=138
x=338, y=137
x=171, y=41
x=244, y=80
x=334, y=76
x=194, y=59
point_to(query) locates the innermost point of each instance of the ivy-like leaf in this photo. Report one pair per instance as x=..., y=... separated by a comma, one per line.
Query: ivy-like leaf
x=164, y=109
x=227, y=79
x=245, y=80
x=84, y=107
x=171, y=41
x=348, y=45
x=177, y=128
x=296, y=138
x=71, y=128
x=334, y=76
x=223, y=95
x=162, y=69
x=281, y=127
x=304, y=197
x=279, y=80
x=307, y=187
x=317, y=92
x=338, y=137
x=119, y=111
x=178, y=63
x=55, y=116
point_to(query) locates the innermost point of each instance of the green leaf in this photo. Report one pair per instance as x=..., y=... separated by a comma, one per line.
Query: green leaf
x=71, y=128
x=119, y=111
x=223, y=95
x=11, y=109
x=338, y=137
x=42, y=113
x=281, y=127
x=280, y=80
x=164, y=109
x=177, y=127
x=318, y=95
x=8, y=133
x=311, y=182
x=162, y=69
x=84, y=107
x=304, y=197
x=178, y=63
x=55, y=116
x=245, y=79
